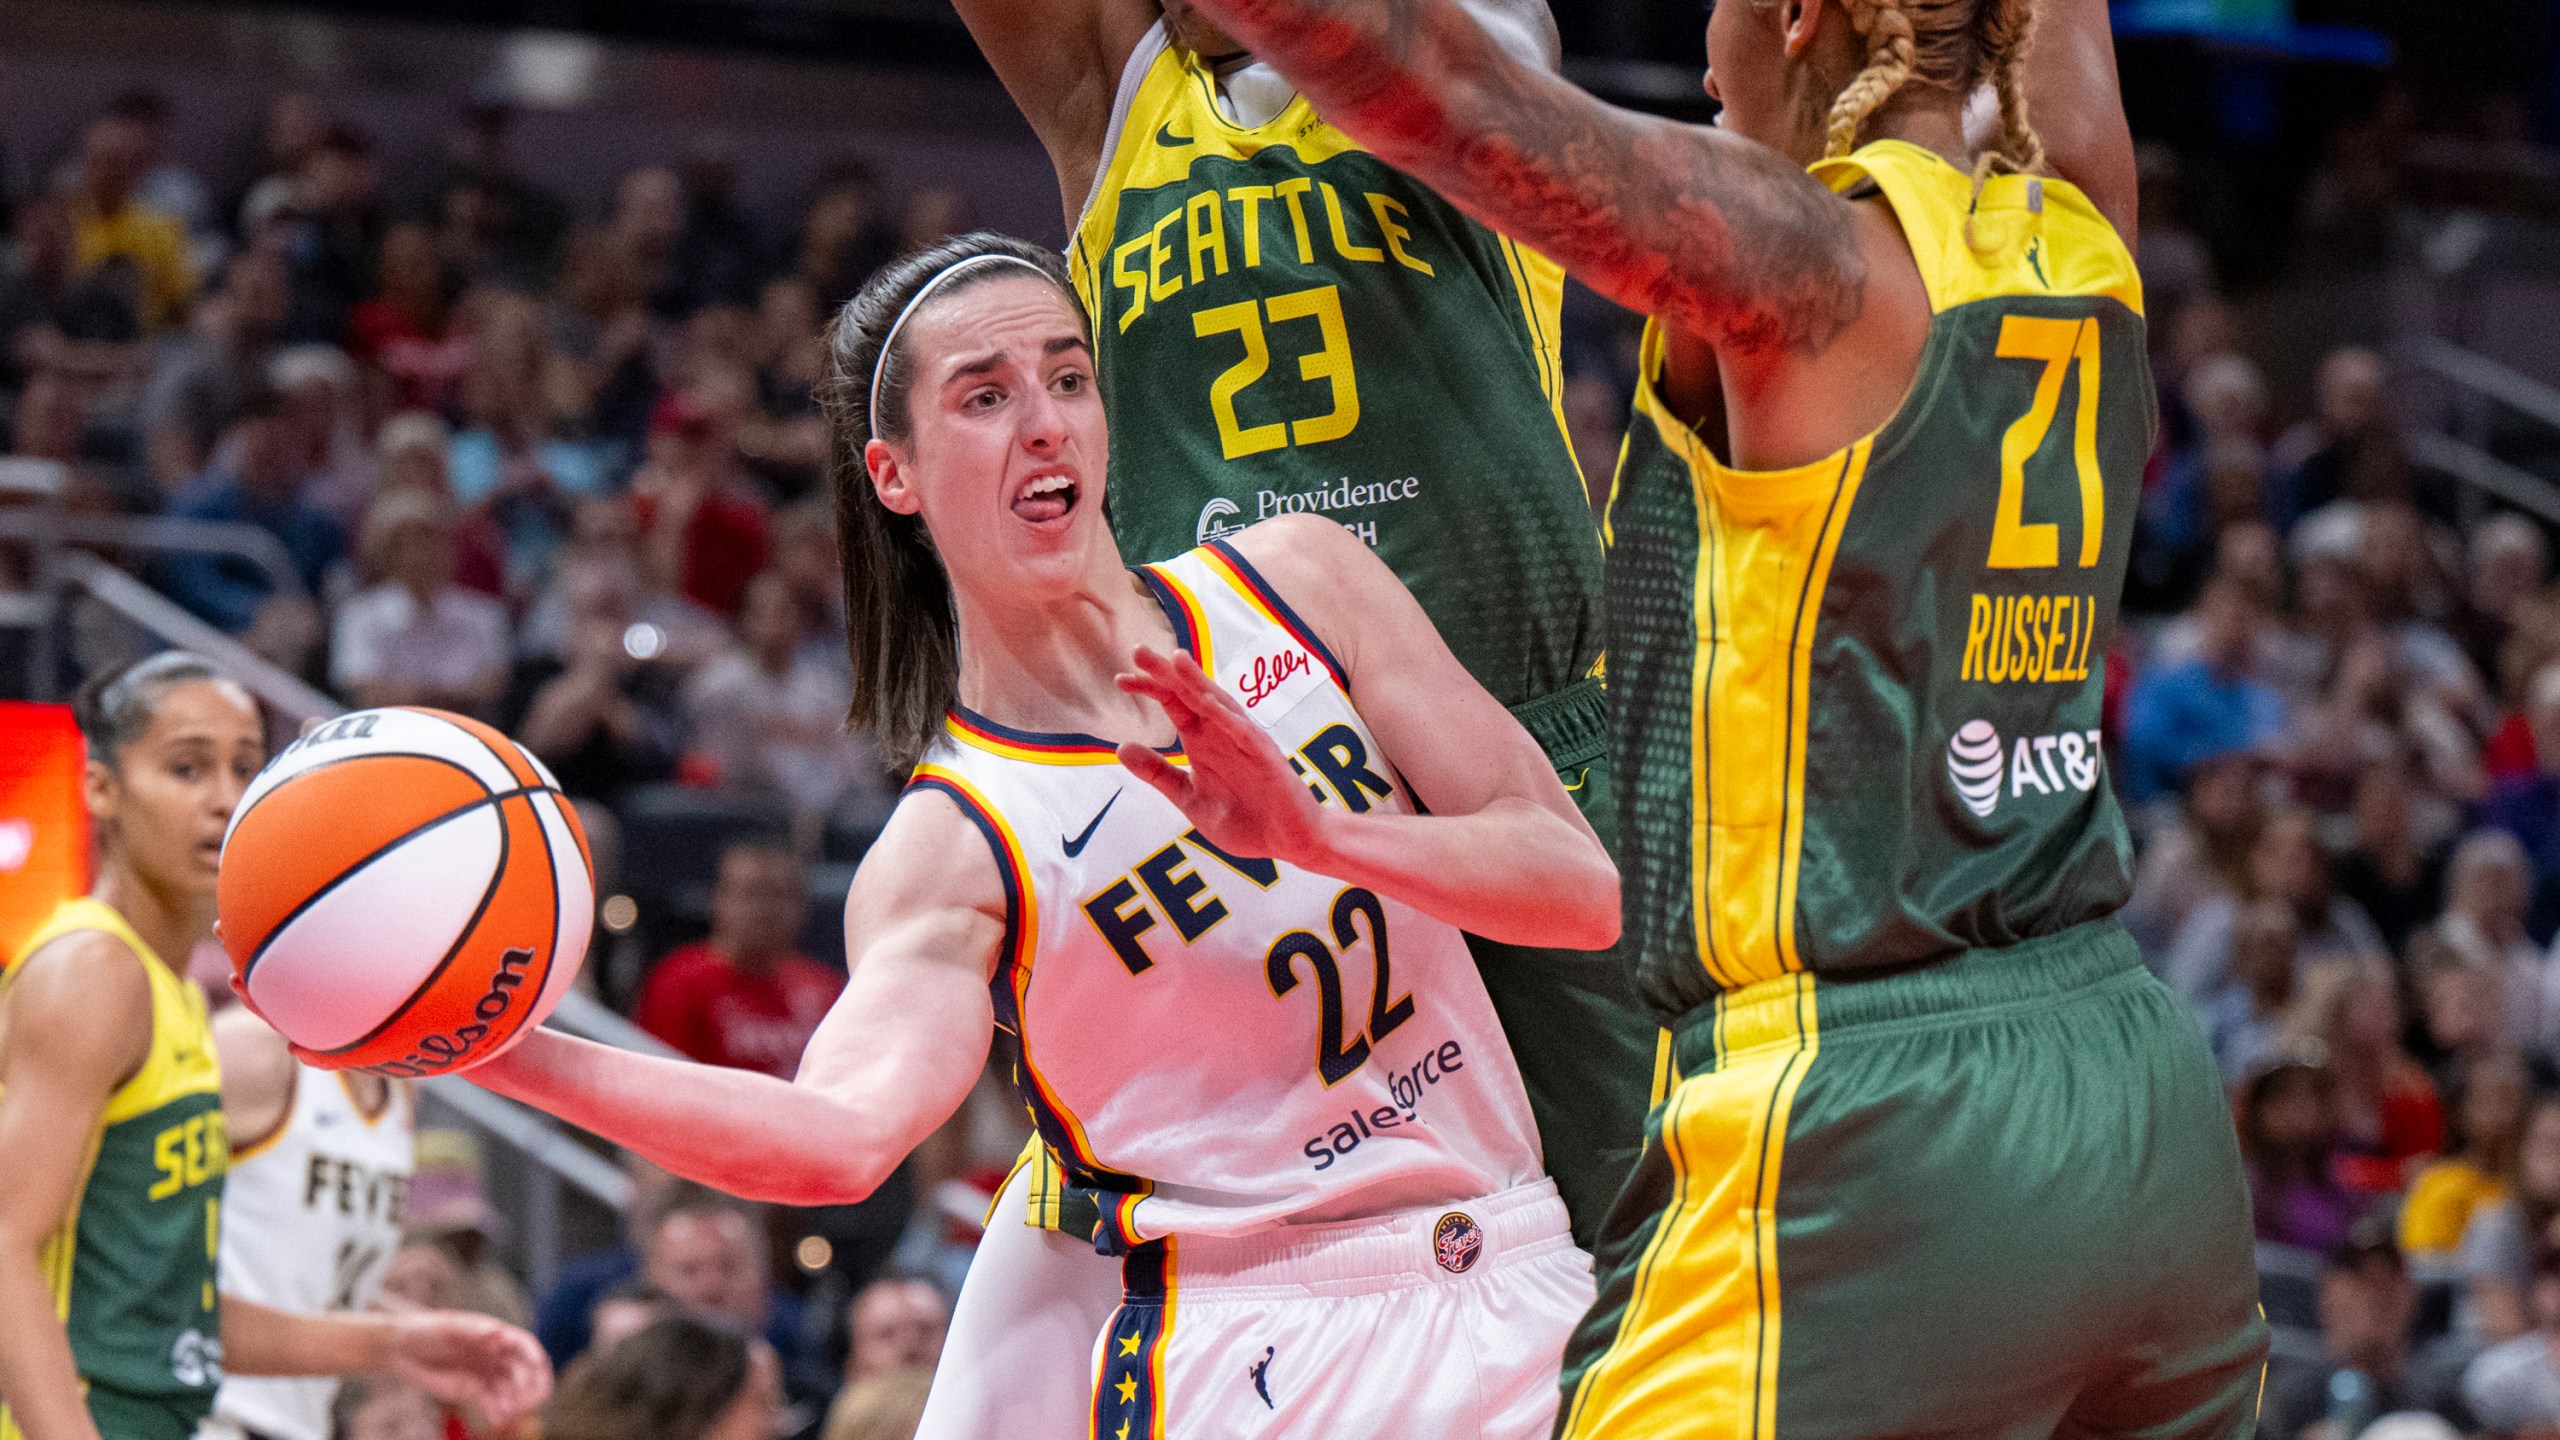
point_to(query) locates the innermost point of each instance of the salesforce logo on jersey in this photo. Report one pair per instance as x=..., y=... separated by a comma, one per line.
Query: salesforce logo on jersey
x=1978, y=763
x=1223, y=517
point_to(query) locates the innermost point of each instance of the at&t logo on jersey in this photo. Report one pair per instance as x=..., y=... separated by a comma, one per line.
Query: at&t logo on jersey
x=1978, y=763
x=1974, y=762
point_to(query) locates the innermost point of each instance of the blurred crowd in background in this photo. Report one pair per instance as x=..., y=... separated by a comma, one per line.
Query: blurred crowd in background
x=564, y=471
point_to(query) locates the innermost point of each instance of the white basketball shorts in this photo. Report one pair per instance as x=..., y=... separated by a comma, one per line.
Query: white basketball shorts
x=1440, y=1324
x=1018, y=1362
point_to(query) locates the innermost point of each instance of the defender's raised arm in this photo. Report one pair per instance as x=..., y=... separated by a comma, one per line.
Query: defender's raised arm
x=1724, y=238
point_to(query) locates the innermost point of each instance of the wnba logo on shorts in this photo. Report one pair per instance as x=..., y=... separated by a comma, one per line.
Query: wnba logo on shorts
x=1456, y=1242
x=1974, y=763
x=1213, y=521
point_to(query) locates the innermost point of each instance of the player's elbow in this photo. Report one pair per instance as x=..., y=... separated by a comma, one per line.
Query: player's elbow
x=840, y=1179
x=1577, y=909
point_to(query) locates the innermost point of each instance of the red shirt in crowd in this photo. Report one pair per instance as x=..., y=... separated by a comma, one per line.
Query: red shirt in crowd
x=425, y=363
x=725, y=544
x=721, y=1015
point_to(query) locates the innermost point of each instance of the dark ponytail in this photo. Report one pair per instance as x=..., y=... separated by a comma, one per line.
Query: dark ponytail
x=901, y=634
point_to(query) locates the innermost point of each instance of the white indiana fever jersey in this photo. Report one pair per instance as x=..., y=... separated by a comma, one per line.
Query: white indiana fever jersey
x=1217, y=1043
x=310, y=1218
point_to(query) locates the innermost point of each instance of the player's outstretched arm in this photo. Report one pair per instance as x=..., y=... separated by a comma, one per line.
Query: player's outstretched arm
x=1722, y=237
x=1060, y=60
x=496, y=1370
x=78, y=1024
x=1503, y=853
x=889, y=1064
x=2076, y=107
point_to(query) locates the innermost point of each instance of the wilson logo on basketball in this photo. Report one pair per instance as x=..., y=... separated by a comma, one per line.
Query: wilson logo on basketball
x=1975, y=763
x=446, y=1049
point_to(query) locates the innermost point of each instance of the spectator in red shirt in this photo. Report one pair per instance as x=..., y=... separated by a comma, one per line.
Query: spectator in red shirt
x=704, y=530
x=744, y=997
x=405, y=333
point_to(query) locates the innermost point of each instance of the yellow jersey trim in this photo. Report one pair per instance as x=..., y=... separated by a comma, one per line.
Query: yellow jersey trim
x=180, y=1060
x=2025, y=235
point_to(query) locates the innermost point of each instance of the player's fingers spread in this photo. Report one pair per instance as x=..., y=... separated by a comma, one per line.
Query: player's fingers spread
x=1149, y=766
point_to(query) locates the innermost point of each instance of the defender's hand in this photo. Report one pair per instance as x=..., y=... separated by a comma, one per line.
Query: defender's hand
x=1238, y=787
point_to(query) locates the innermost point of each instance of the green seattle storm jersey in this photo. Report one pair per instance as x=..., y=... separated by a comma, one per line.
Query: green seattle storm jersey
x=1286, y=325
x=1855, y=704
x=131, y=1267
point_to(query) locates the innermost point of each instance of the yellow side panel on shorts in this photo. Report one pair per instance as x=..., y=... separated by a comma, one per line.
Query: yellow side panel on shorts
x=1696, y=1355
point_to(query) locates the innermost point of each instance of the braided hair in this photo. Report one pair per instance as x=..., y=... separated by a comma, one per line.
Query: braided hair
x=1951, y=45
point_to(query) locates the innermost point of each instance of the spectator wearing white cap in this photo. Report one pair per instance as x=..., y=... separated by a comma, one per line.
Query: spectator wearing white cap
x=318, y=383
x=417, y=637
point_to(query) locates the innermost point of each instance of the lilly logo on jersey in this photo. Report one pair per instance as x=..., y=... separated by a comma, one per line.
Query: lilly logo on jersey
x=1978, y=763
x=1457, y=1242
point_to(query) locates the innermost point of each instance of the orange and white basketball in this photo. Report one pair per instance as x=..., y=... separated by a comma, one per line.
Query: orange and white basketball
x=404, y=891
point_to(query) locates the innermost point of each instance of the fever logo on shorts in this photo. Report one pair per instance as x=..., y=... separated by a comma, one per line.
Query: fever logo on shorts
x=1456, y=1242
x=1974, y=763
x=1213, y=521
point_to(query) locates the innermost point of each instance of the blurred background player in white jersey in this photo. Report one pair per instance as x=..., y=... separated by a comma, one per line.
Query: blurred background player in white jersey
x=320, y=1164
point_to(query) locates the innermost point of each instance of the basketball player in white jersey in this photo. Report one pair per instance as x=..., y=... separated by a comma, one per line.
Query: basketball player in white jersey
x=320, y=1165
x=1201, y=839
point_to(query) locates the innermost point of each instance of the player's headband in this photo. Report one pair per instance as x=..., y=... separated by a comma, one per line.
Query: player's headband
x=880, y=365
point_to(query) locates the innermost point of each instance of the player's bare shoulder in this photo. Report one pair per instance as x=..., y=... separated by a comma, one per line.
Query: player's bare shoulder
x=86, y=997
x=1328, y=575
x=930, y=868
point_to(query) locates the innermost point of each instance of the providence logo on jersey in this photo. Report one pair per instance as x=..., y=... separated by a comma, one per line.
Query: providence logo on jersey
x=1222, y=517
x=2056, y=764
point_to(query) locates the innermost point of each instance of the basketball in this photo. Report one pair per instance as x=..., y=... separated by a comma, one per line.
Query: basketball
x=404, y=891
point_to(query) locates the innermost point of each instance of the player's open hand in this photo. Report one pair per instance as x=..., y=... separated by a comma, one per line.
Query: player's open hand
x=487, y=1366
x=1237, y=787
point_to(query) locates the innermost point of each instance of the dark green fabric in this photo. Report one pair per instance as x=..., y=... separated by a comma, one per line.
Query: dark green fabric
x=1496, y=537
x=1584, y=1043
x=2010, y=1205
x=1895, y=867
x=131, y=1417
x=144, y=1320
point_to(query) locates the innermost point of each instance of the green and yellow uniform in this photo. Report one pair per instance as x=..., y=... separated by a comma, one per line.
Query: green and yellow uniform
x=1286, y=325
x=132, y=1264
x=1941, y=1157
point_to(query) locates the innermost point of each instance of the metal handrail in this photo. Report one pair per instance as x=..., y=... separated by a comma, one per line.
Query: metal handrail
x=159, y=532
x=171, y=621
x=541, y=1139
x=590, y=1019
x=2481, y=375
x=2485, y=472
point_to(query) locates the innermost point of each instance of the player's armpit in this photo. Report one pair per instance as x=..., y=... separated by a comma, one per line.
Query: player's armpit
x=1060, y=60
x=1713, y=233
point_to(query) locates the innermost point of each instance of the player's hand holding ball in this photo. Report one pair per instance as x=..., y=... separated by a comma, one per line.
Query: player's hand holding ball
x=404, y=891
